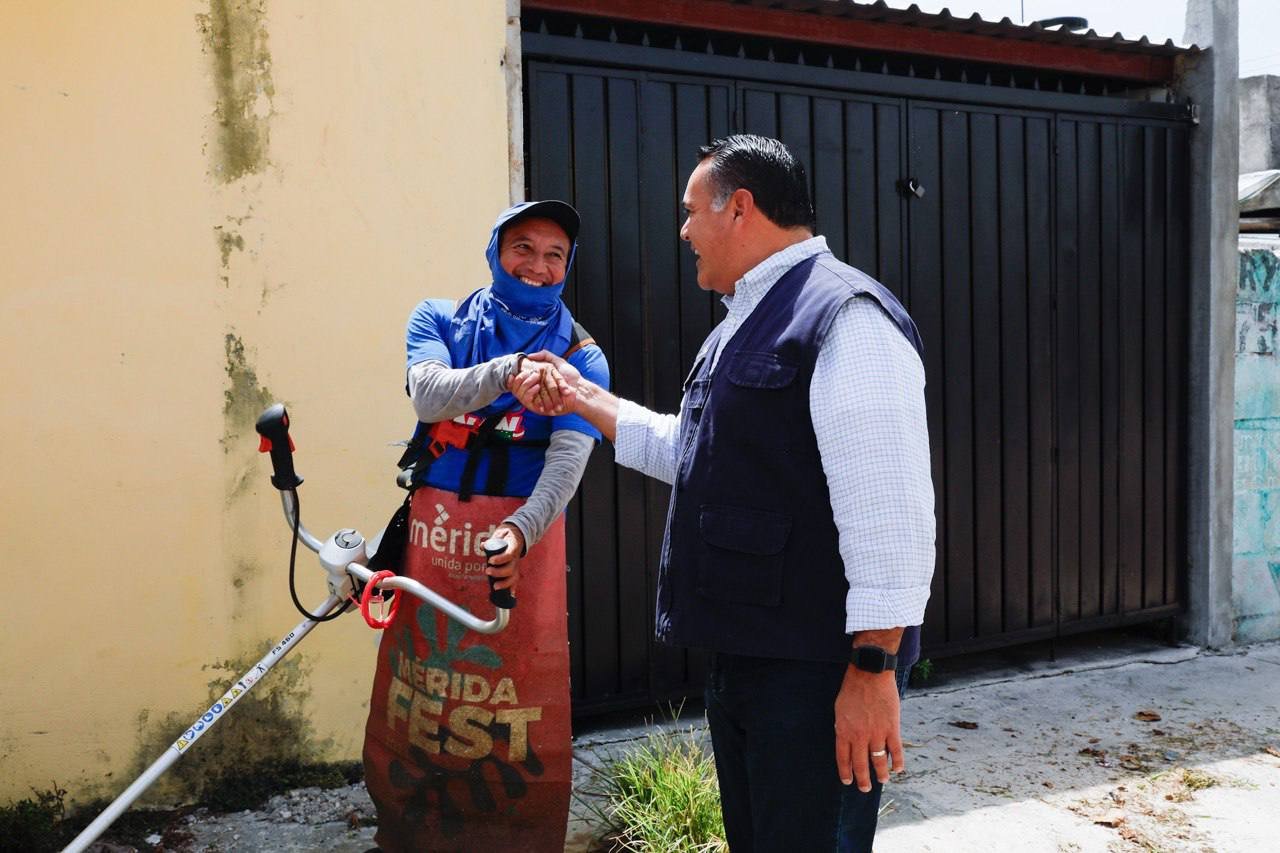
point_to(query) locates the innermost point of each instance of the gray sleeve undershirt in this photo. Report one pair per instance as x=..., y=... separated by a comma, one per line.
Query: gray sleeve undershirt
x=566, y=460
x=441, y=393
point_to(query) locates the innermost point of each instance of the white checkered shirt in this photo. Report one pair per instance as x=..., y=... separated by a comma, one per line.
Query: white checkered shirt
x=867, y=405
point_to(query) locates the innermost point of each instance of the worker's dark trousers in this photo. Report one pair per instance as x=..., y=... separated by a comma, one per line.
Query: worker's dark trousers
x=772, y=727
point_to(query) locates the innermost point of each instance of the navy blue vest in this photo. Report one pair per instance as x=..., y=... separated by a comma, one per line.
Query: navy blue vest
x=751, y=561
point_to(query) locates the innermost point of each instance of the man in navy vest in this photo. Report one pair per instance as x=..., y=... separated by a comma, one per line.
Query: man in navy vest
x=800, y=539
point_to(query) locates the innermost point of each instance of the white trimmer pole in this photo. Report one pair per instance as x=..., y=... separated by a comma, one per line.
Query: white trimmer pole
x=205, y=722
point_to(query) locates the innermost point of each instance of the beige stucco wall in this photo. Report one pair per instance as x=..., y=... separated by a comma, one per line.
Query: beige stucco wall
x=207, y=206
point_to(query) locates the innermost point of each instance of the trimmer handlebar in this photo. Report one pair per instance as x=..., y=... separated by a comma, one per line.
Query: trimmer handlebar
x=273, y=426
x=340, y=560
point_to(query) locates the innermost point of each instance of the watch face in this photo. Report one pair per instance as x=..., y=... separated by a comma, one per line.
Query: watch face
x=873, y=659
x=870, y=658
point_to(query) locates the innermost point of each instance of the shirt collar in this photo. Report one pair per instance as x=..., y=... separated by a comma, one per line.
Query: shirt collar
x=758, y=280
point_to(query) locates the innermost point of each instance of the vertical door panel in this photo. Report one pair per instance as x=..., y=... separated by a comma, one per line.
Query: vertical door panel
x=589, y=296
x=1040, y=242
x=661, y=283
x=1134, y=328
x=924, y=269
x=987, y=452
x=1155, y=297
x=828, y=174
x=1015, y=399
x=1177, y=243
x=1084, y=558
x=1069, y=369
x=957, y=358
x=627, y=336
x=1110, y=330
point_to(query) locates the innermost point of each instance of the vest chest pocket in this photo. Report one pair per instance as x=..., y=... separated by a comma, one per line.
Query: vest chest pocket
x=761, y=370
x=743, y=554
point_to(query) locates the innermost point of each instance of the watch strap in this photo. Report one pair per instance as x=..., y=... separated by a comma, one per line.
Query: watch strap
x=874, y=659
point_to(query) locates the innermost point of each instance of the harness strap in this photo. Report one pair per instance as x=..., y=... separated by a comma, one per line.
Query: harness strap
x=478, y=440
x=499, y=466
x=586, y=342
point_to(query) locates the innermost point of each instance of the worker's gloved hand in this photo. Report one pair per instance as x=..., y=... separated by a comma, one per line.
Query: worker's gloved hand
x=505, y=567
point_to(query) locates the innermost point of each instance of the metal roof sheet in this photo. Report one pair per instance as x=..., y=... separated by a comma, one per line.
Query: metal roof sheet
x=1259, y=190
x=974, y=24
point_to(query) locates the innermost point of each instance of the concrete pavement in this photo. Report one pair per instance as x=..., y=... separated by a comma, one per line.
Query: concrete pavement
x=1118, y=745
x=1114, y=746
x=1165, y=749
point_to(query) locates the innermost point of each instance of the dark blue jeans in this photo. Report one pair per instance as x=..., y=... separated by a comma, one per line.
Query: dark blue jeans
x=773, y=731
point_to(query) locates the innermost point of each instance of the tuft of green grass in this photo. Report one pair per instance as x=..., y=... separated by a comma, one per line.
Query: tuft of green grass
x=664, y=797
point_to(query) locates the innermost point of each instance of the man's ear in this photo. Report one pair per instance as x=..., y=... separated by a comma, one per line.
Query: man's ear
x=741, y=203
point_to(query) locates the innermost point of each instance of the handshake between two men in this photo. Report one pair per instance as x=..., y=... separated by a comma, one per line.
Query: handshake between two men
x=549, y=385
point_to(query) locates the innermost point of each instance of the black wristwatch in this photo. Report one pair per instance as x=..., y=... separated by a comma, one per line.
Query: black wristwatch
x=873, y=659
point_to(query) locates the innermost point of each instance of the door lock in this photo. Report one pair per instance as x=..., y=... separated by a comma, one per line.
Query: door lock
x=911, y=186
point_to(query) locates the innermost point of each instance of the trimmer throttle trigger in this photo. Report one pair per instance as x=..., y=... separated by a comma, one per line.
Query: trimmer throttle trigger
x=497, y=597
x=273, y=426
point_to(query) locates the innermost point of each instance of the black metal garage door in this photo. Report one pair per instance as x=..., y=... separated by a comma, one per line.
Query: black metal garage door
x=1042, y=255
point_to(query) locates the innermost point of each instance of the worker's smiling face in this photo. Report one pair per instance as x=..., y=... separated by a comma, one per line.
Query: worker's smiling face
x=709, y=233
x=535, y=250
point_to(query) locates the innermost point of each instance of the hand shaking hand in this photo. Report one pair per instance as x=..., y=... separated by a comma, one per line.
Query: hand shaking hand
x=546, y=384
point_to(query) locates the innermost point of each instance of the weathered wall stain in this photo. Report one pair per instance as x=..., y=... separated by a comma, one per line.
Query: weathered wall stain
x=244, y=572
x=268, y=289
x=267, y=728
x=244, y=398
x=243, y=481
x=235, y=37
x=228, y=241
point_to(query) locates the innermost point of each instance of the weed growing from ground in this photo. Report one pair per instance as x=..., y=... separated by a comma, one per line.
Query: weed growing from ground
x=1197, y=780
x=921, y=672
x=28, y=825
x=664, y=797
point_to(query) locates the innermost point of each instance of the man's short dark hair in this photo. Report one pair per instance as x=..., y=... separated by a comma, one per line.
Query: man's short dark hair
x=768, y=170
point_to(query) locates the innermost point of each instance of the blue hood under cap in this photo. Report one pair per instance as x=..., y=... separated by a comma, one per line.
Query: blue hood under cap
x=509, y=316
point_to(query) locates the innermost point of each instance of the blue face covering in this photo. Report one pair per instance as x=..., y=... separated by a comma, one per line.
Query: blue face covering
x=509, y=316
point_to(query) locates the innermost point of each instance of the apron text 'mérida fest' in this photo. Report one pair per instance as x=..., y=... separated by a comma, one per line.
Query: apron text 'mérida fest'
x=467, y=746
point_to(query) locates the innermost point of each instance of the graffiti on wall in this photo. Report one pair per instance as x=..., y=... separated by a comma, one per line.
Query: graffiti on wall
x=1256, y=545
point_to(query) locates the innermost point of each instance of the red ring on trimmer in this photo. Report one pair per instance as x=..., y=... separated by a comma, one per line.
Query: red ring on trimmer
x=371, y=620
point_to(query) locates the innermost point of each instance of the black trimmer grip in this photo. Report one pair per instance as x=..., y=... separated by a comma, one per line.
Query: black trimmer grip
x=273, y=426
x=497, y=597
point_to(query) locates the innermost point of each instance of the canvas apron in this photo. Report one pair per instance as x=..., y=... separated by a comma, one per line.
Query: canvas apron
x=467, y=746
